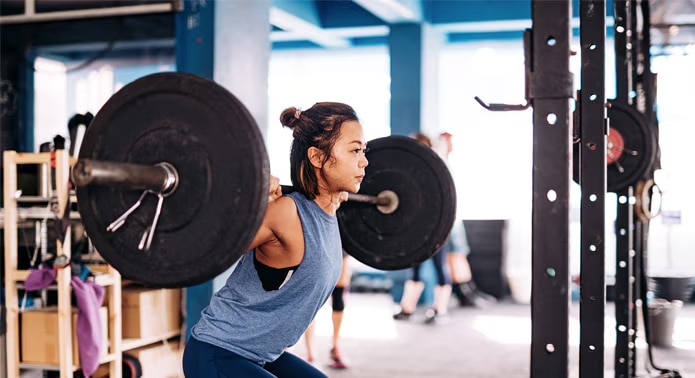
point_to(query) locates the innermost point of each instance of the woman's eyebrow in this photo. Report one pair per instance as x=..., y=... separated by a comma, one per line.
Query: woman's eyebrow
x=358, y=142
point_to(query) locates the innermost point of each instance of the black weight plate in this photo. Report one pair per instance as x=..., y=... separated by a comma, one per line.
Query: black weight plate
x=208, y=135
x=426, y=206
x=637, y=153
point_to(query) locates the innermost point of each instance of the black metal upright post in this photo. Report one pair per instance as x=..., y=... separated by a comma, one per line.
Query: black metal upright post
x=623, y=52
x=625, y=294
x=647, y=78
x=645, y=91
x=550, y=93
x=592, y=178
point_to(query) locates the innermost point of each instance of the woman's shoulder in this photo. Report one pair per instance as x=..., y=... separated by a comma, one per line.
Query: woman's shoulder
x=283, y=205
x=280, y=213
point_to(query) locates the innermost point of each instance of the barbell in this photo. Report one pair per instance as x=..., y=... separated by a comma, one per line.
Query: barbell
x=172, y=184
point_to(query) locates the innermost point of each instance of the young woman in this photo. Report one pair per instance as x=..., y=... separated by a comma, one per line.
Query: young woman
x=295, y=258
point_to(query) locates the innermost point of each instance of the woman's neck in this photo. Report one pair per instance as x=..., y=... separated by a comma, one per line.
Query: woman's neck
x=328, y=201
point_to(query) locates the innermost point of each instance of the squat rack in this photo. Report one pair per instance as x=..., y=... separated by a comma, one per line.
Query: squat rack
x=549, y=92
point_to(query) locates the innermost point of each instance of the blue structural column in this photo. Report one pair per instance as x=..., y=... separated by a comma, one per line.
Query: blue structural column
x=229, y=42
x=414, y=51
x=25, y=128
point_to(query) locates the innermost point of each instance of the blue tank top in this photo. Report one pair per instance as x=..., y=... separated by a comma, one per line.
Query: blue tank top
x=256, y=324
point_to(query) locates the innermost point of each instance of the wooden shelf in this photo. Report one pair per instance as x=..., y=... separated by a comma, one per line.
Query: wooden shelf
x=130, y=344
x=100, y=279
x=14, y=217
x=25, y=365
x=35, y=213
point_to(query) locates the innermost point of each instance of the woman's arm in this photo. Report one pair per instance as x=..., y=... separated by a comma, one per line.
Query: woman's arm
x=276, y=217
x=279, y=241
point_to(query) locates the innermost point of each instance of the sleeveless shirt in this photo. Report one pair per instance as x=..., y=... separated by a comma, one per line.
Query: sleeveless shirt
x=256, y=324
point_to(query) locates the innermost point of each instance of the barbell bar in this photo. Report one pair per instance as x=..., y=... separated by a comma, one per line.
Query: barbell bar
x=162, y=178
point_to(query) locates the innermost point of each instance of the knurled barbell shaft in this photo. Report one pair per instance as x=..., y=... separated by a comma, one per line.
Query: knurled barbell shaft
x=374, y=200
x=158, y=178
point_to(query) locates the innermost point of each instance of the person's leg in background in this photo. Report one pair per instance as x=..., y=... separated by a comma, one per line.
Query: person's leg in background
x=462, y=284
x=412, y=289
x=308, y=341
x=338, y=306
x=442, y=292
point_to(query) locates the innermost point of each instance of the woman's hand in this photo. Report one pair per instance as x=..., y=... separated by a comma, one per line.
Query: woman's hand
x=342, y=197
x=274, y=189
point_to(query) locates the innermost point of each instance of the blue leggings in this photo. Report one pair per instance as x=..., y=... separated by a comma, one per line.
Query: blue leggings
x=440, y=264
x=203, y=360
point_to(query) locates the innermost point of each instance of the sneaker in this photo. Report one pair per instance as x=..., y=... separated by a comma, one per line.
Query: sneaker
x=485, y=296
x=470, y=296
x=479, y=293
x=430, y=316
x=336, y=361
x=434, y=317
x=401, y=315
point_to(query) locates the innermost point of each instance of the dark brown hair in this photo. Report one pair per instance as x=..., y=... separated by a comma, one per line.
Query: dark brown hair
x=318, y=126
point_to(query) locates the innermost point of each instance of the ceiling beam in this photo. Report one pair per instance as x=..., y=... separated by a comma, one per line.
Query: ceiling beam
x=30, y=14
x=394, y=11
x=337, y=33
x=301, y=19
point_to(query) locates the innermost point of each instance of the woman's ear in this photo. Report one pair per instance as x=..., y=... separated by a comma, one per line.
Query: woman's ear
x=315, y=157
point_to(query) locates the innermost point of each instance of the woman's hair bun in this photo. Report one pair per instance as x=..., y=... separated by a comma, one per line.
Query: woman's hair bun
x=290, y=117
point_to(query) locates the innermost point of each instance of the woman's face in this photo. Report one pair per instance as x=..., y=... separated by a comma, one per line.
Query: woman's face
x=345, y=169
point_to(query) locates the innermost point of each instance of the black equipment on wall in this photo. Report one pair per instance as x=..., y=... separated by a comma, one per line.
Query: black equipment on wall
x=487, y=254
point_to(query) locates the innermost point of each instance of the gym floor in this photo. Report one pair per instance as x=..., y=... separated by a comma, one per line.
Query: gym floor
x=475, y=343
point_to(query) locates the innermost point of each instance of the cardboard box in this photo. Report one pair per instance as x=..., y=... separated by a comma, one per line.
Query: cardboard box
x=160, y=360
x=150, y=313
x=39, y=331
